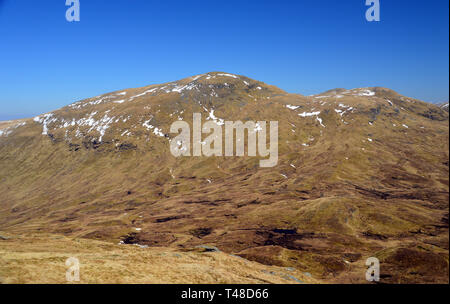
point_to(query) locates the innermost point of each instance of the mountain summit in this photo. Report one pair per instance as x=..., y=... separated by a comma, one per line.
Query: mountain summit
x=362, y=172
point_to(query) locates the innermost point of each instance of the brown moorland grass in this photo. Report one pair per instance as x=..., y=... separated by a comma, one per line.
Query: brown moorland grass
x=40, y=258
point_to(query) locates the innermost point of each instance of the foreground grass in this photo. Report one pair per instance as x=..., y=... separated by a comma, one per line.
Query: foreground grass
x=41, y=259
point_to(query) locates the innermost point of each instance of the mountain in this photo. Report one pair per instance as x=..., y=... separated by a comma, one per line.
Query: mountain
x=361, y=173
x=444, y=106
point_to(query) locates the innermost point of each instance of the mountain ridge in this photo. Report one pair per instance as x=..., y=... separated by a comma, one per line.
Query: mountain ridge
x=195, y=77
x=191, y=83
x=361, y=173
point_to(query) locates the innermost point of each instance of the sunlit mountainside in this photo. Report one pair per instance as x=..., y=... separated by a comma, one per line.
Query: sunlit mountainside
x=361, y=172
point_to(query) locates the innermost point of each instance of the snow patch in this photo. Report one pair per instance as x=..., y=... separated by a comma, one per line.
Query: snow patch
x=320, y=121
x=305, y=114
x=292, y=107
x=227, y=75
x=45, y=120
x=157, y=131
x=366, y=93
x=211, y=116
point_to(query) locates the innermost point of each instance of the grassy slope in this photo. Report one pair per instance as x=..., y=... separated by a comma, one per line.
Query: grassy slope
x=346, y=198
x=41, y=259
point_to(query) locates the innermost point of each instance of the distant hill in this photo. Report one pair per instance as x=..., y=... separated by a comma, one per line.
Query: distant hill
x=361, y=172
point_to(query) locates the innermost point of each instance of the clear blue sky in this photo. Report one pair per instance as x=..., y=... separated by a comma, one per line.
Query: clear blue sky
x=302, y=46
